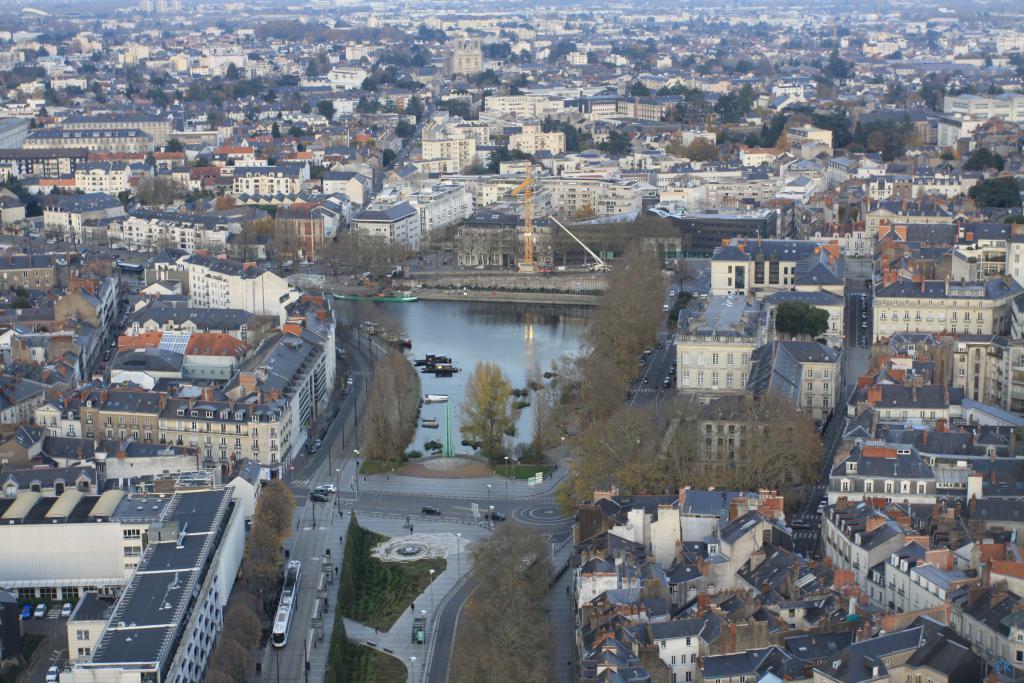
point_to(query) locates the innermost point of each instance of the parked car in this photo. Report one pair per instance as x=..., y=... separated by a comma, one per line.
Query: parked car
x=495, y=516
x=318, y=497
x=26, y=612
x=65, y=610
x=315, y=446
x=327, y=488
x=53, y=674
x=40, y=610
x=431, y=510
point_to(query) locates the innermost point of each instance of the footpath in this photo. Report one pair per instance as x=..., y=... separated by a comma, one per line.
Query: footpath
x=475, y=488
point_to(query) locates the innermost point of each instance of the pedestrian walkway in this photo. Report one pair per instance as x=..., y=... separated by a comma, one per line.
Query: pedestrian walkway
x=477, y=489
x=398, y=641
x=560, y=619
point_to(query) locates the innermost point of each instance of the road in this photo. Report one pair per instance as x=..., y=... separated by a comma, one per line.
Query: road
x=318, y=525
x=657, y=371
x=807, y=523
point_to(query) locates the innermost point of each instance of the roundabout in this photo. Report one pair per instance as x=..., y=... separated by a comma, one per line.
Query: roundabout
x=540, y=514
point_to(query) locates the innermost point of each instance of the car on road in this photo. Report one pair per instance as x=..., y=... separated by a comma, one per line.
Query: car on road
x=53, y=674
x=26, y=612
x=431, y=510
x=65, y=610
x=314, y=446
x=326, y=488
x=664, y=308
x=318, y=497
x=495, y=516
x=40, y=610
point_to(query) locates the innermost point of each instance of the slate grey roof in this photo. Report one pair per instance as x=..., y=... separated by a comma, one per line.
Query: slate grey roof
x=388, y=214
x=858, y=661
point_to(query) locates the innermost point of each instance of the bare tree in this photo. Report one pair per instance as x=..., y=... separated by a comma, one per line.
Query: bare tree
x=242, y=623
x=276, y=507
x=505, y=636
x=159, y=191
x=232, y=660
x=391, y=410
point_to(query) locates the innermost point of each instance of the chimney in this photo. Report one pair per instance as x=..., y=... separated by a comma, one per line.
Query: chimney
x=703, y=603
x=924, y=438
x=873, y=523
x=940, y=424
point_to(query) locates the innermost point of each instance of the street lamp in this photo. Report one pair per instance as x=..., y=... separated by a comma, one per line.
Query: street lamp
x=431, y=572
x=412, y=668
x=508, y=464
x=355, y=452
x=488, y=492
x=337, y=488
x=458, y=552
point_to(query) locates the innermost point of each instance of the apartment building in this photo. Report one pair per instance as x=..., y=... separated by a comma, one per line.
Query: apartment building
x=68, y=215
x=298, y=371
x=152, y=230
x=440, y=206
x=920, y=305
x=31, y=271
x=1007, y=106
x=714, y=346
x=220, y=283
x=269, y=180
x=531, y=139
x=353, y=185
x=395, y=223
x=880, y=472
x=799, y=135
x=807, y=374
x=201, y=535
x=452, y=153
x=43, y=163
x=488, y=238
x=762, y=266
x=116, y=141
x=225, y=432
x=109, y=177
x=590, y=197
x=159, y=128
x=857, y=537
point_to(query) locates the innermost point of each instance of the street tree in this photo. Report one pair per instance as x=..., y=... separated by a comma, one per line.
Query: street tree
x=232, y=660
x=276, y=507
x=505, y=634
x=487, y=411
x=243, y=624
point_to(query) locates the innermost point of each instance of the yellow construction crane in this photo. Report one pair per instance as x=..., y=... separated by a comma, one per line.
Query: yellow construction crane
x=526, y=189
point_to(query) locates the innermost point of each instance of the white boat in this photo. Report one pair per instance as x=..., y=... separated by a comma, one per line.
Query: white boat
x=436, y=398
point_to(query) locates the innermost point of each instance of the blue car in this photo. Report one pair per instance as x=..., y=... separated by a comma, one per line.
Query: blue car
x=26, y=612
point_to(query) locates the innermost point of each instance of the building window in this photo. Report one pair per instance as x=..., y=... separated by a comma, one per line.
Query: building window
x=82, y=634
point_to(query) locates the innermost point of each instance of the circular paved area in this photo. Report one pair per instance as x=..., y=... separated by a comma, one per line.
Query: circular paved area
x=541, y=514
x=418, y=547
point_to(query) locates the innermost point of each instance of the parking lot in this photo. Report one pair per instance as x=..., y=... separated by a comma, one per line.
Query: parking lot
x=53, y=649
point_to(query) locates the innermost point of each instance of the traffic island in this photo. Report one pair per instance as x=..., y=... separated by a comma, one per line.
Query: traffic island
x=374, y=592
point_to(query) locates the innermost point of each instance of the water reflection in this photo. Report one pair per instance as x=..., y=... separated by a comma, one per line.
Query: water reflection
x=517, y=337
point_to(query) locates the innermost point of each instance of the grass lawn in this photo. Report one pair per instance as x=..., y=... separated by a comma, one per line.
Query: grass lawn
x=377, y=467
x=350, y=662
x=376, y=593
x=520, y=471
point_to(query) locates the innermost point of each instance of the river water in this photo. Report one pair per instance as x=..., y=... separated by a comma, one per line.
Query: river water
x=515, y=336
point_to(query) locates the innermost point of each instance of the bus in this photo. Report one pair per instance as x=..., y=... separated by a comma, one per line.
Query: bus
x=289, y=598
